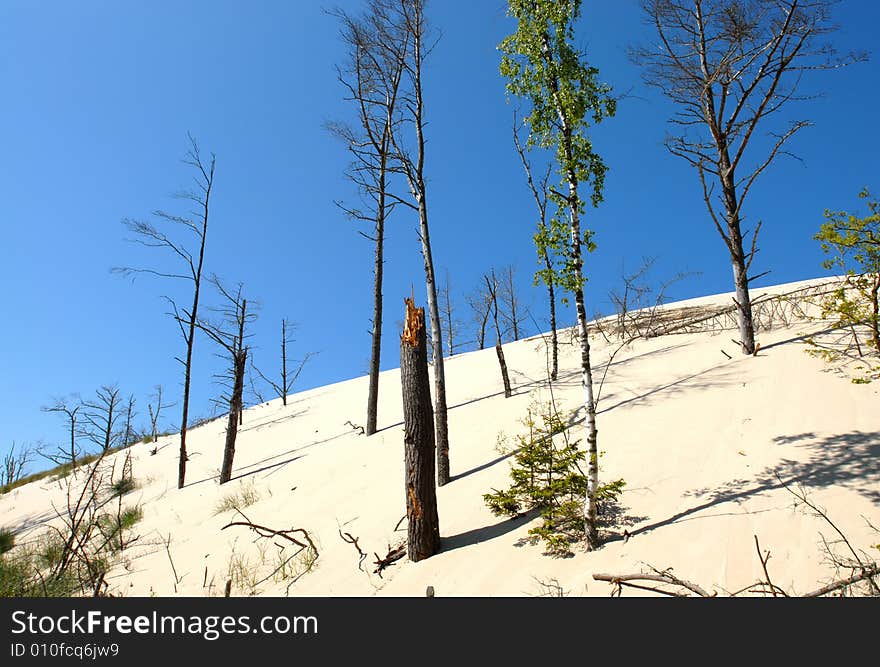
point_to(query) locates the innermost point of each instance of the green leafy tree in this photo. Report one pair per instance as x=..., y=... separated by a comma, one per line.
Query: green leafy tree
x=564, y=96
x=853, y=245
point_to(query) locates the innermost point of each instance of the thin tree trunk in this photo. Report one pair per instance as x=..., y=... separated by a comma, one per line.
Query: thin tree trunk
x=875, y=312
x=554, y=370
x=483, y=328
x=284, y=385
x=376, y=350
x=591, y=507
x=423, y=530
x=738, y=260
x=181, y=470
x=441, y=425
x=499, y=351
x=235, y=407
x=73, y=443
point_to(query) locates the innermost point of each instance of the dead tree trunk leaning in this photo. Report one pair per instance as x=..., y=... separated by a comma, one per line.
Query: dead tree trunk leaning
x=423, y=532
x=492, y=286
x=239, y=363
x=235, y=410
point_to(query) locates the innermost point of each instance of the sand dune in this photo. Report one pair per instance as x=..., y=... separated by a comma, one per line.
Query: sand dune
x=698, y=438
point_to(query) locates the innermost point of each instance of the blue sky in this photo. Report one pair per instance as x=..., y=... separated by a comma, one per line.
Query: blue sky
x=98, y=98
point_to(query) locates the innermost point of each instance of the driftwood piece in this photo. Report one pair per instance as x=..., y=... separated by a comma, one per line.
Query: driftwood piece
x=263, y=531
x=663, y=577
x=391, y=557
x=352, y=540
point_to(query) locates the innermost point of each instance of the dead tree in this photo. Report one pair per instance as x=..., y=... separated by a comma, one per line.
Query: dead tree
x=129, y=416
x=492, y=287
x=728, y=65
x=230, y=335
x=376, y=48
x=423, y=534
x=69, y=409
x=481, y=307
x=541, y=194
x=151, y=236
x=288, y=375
x=447, y=310
x=14, y=463
x=101, y=416
x=155, y=413
x=512, y=312
x=414, y=25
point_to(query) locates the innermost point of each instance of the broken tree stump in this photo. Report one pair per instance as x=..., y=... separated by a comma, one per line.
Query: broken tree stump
x=423, y=531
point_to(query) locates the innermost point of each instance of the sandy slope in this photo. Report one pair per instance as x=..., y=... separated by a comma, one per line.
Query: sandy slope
x=696, y=436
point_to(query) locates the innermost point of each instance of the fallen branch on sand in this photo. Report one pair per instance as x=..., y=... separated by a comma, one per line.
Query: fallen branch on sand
x=352, y=540
x=862, y=569
x=391, y=557
x=263, y=531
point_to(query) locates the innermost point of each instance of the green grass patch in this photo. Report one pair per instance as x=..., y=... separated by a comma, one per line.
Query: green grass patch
x=237, y=500
x=122, y=486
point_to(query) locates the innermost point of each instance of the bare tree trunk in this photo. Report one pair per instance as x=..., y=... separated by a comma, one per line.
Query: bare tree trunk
x=283, y=361
x=209, y=183
x=738, y=257
x=441, y=424
x=499, y=351
x=483, y=323
x=511, y=302
x=376, y=349
x=235, y=407
x=72, y=416
x=875, y=312
x=554, y=343
x=423, y=531
x=126, y=433
x=448, y=315
x=540, y=193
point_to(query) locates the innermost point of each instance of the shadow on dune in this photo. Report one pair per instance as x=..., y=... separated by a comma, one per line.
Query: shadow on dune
x=269, y=458
x=850, y=460
x=258, y=425
x=268, y=467
x=799, y=338
x=477, y=535
x=479, y=468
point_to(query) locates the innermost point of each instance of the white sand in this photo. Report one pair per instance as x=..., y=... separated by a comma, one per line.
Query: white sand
x=696, y=436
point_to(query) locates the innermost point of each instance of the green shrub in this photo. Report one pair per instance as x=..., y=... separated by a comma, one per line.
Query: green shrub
x=122, y=486
x=113, y=526
x=547, y=477
x=7, y=540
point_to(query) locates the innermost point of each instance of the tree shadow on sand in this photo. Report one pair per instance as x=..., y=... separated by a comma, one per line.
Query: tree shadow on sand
x=850, y=460
x=477, y=535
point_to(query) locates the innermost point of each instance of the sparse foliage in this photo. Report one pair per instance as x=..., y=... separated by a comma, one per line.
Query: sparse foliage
x=416, y=30
x=852, y=244
x=289, y=374
x=193, y=225
x=564, y=95
x=377, y=45
x=492, y=289
x=101, y=416
x=730, y=67
x=230, y=334
x=541, y=194
x=69, y=407
x=14, y=463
